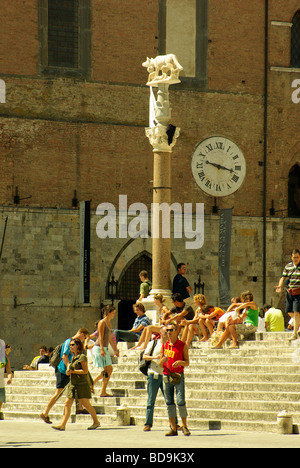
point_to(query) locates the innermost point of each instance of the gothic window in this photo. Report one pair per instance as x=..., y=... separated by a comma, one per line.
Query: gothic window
x=294, y=191
x=65, y=35
x=295, y=41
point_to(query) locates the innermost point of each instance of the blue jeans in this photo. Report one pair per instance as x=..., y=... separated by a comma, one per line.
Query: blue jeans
x=153, y=385
x=169, y=391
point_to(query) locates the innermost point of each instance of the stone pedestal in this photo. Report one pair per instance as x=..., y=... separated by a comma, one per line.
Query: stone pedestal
x=123, y=416
x=285, y=423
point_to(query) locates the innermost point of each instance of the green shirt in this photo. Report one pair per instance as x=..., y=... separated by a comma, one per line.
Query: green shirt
x=78, y=379
x=145, y=288
x=252, y=317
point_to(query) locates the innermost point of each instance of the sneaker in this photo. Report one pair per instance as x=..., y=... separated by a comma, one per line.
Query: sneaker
x=147, y=428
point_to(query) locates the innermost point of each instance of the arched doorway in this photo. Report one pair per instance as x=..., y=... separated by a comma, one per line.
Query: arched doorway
x=295, y=41
x=129, y=288
x=294, y=191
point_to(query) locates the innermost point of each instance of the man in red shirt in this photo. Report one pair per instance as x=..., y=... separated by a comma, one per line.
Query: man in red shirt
x=174, y=358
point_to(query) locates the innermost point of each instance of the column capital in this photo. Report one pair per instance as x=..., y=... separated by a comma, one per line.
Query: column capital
x=158, y=138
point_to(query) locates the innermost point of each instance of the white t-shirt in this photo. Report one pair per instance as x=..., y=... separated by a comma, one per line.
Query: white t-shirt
x=154, y=367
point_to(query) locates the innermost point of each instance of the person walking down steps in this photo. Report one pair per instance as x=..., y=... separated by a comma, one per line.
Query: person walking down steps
x=79, y=385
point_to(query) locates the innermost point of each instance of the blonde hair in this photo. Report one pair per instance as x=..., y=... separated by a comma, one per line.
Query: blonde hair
x=200, y=298
x=247, y=296
x=159, y=297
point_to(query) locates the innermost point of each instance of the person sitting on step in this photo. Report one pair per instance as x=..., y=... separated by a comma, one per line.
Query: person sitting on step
x=244, y=325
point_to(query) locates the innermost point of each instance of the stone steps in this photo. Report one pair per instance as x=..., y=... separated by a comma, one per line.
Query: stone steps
x=241, y=389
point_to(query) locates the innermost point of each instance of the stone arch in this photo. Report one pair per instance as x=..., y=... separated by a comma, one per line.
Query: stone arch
x=129, y=287
x=292, y=158
x=130, y=250
x=129, y=284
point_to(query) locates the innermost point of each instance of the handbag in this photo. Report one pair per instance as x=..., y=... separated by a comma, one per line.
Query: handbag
x=294, y=291
x=174, y=377
x=143, y=364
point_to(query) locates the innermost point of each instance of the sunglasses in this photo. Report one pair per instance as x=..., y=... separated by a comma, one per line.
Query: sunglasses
x=170, y=330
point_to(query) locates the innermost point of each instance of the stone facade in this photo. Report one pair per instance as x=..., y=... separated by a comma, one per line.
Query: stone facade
x=40, y=271
x=62, y=132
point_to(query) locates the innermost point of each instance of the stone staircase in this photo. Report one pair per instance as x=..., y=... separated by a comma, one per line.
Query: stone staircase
x=233, y=389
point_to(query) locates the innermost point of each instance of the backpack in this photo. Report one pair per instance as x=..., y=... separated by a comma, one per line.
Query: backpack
x=55, y=358
x=150, y=286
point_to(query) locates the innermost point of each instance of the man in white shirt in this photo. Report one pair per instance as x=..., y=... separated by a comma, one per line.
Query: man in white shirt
x=155, y=376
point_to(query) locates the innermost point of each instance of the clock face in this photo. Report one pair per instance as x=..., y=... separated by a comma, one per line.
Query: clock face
x=218, y=166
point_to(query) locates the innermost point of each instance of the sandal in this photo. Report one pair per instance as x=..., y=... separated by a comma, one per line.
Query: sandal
x=46, y=419
x=58, y=428
x=186, y=431
x=93, y=427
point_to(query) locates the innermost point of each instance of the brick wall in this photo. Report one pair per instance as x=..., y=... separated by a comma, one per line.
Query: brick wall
x=49, y=149
x=19, y=38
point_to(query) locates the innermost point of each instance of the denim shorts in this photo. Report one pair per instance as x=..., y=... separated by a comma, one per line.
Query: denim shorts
x=292, y=303
x=62, y=380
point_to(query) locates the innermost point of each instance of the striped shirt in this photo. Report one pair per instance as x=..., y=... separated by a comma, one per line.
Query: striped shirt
x=292, y=272
x=143, y=320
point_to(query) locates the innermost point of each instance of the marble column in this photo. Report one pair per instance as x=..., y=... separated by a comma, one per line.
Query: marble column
x=162, y=186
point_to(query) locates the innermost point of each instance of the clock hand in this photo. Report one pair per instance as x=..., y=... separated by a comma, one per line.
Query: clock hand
x=218, y=166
